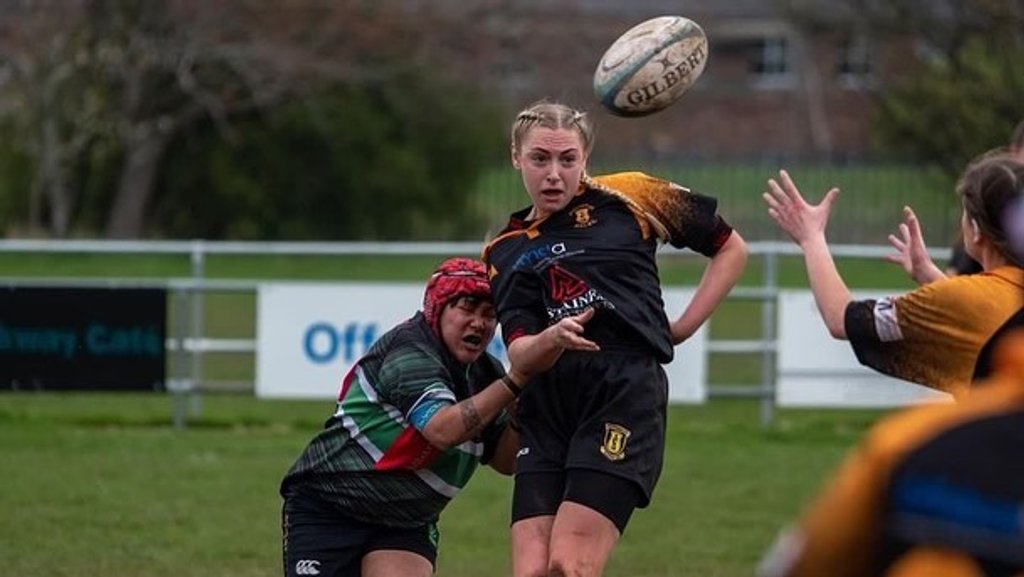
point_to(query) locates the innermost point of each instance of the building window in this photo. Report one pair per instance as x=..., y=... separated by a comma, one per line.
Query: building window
x=770, y=62
x=853, y=62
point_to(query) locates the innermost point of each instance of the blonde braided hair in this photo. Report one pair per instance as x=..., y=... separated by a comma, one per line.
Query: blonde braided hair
x=554, y=116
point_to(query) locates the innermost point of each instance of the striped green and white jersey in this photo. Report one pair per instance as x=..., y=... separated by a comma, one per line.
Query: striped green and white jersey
x=371, y=461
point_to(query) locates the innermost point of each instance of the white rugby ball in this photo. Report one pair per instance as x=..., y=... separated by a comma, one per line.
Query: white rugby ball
x=651, y=66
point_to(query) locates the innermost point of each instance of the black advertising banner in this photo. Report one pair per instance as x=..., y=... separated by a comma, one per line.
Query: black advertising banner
x=108, y=339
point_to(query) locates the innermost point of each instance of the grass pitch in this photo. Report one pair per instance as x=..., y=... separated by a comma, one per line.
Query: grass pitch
x=103, y=485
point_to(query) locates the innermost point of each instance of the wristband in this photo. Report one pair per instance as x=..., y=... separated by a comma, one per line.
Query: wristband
x=511, y=385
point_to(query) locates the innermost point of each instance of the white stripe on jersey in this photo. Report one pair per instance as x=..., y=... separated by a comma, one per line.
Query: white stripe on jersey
x=429, y=477
x=886, y=324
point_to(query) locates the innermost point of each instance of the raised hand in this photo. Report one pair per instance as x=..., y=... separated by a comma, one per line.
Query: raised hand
x=911, y=252
x=787, y=207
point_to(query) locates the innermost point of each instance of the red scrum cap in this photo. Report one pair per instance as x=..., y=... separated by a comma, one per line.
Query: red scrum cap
x=453, y=278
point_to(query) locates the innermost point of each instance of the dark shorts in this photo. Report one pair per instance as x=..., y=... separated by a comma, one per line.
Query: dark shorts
x=602, y=412
x=538, y=494
x=318, y=541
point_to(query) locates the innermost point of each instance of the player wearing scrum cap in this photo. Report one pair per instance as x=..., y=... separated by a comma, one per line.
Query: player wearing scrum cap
x=414, y=417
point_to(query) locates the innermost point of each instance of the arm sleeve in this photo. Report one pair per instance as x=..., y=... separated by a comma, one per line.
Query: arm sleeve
x=923, y=337
x=690, y=219
x=415, y=381
x=702, y=229
x=518, y=300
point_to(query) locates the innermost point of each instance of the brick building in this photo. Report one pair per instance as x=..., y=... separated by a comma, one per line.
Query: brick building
x=784, y=80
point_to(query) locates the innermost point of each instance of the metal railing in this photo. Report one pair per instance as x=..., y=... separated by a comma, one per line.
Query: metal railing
x=188, y=344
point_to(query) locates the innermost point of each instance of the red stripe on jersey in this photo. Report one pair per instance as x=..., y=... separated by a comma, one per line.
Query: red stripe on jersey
x=346, y=382
x=411, y=450
x=513, y=335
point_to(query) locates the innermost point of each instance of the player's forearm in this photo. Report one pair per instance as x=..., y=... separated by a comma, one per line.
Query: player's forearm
x=830, y=292
x=464, y=420
x=719, y=278
x=929, y=273
x=534, y=353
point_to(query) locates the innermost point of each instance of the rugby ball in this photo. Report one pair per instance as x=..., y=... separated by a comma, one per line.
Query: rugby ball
x=650, y=66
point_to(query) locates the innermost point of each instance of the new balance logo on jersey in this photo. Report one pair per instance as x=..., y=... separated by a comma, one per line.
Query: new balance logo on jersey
x=307, y=567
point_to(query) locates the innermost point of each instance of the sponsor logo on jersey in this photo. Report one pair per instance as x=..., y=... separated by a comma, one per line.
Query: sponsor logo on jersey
x=542, y=256
x=614, y=444
x=565, y=285
x=583, y=216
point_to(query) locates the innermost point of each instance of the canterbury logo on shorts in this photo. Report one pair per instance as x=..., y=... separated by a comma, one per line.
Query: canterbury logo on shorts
x=307, y=567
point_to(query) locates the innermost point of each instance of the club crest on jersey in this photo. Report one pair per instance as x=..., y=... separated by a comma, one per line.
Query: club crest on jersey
x=583, y=216
x=614, y=444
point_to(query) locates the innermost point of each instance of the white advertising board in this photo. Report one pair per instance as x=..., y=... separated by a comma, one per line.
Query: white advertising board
x=309, y=335
x=816, y=370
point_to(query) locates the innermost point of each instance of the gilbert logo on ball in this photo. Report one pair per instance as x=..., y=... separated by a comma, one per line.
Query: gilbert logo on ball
x=651, y=66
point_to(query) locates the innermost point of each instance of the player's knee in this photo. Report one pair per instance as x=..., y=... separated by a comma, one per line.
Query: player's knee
x=557, y=569
x=538, y=571
x=572, y=567
x=524, y=568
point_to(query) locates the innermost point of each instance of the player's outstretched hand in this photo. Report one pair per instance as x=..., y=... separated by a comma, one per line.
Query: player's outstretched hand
x=911, y=252
x=568, y=332
x=533, y=354
x=801, y=221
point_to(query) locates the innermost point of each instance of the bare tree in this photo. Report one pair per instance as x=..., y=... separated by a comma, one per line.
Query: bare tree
x=133, y=74
x=174, y=63
x=44, y=95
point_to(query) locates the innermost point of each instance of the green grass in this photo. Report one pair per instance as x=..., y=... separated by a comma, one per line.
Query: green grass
x=101, y=484
x=104, y=485
x=869, y=206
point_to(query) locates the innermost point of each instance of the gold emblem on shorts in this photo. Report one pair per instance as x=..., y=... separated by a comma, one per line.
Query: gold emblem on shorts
x=614, y=444
x=582, y=216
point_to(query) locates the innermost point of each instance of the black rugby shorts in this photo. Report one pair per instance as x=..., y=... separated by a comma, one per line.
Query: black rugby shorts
x=318, y=541
x=602, y=412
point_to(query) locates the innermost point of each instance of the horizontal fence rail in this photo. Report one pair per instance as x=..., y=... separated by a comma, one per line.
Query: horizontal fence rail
x=189, y=343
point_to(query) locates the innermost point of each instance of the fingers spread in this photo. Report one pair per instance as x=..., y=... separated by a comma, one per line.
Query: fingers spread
x=789, y=186
x=831, y=196
x=770, y=200
x=897, y=243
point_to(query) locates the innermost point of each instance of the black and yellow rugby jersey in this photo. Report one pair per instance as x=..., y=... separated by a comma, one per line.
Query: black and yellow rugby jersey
x=932, y=335
x=983, y=367
x=934, y=491
x=599, y=252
